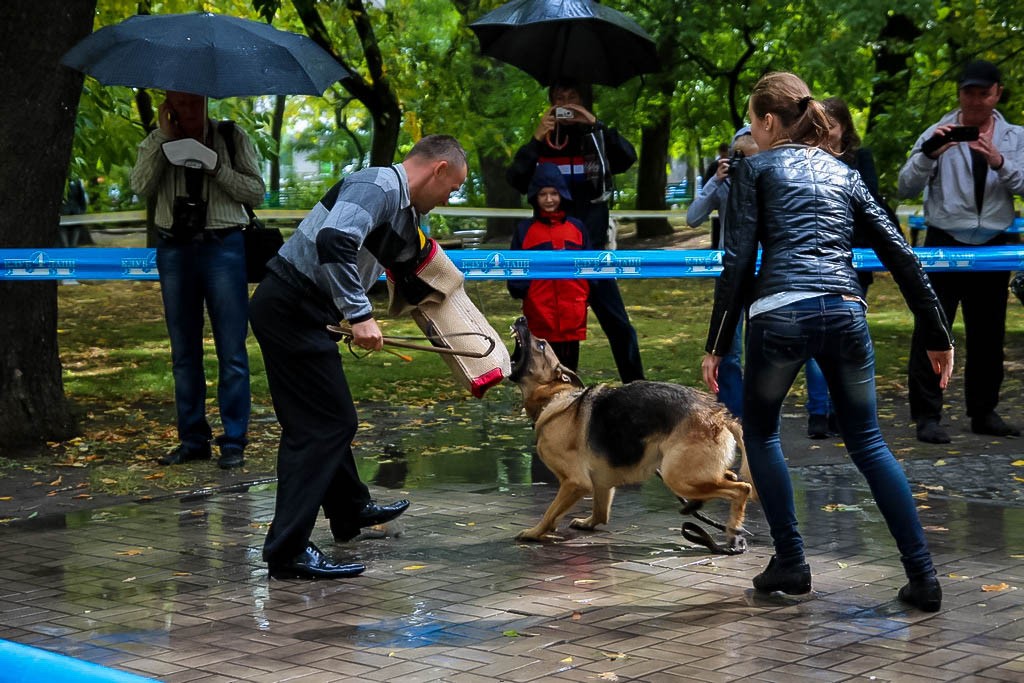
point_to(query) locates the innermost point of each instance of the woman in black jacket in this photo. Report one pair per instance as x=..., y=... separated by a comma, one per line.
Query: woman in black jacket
x=798, y=203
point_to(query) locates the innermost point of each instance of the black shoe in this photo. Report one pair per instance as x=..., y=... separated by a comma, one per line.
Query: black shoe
x=924, y=594
x=794, y=579
x=313, y=564
x=184, y=453
x=993, y=425
x=373, y=514
x=817, y=427
x=230, y=456
x=929, y=431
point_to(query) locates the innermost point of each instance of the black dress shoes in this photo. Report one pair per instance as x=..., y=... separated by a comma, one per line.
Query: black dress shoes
x=230, y=456
x=313, y=564
x=929, y=431
x=992, y=425
x=371, y=515
x=184, y=453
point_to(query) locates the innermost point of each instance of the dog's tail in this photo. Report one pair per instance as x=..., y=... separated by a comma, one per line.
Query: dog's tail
x=733, y=426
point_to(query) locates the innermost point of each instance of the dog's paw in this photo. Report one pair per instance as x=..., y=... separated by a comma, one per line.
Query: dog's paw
x=587, y=524
x=530, y=536
x=737, y=544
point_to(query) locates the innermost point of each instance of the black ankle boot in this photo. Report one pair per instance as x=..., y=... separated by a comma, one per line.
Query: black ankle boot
x=792, y=579
x=924, y=594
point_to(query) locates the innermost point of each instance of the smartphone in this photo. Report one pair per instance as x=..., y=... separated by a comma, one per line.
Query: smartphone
x=962, y=134
x=563, y=113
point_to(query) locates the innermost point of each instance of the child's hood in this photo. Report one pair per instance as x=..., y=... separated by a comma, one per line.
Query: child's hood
x=547, y=175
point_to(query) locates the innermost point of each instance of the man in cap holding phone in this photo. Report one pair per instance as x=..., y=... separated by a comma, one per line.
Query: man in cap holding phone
x=970, y=165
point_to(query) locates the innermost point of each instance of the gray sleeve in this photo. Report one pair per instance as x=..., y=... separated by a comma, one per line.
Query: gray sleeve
x=919, y=168
x=703, y=204
x=150, y=164
x=361, y=207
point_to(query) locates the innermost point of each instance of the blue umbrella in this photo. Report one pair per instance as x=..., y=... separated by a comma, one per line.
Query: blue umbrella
x=553, y=40
x=206, y=54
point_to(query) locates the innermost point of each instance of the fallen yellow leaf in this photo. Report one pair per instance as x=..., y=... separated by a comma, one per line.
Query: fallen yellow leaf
x=131, y=552
x=108, y=481
x=935, y=528
x=6, y=497
x=155, y=475
x=614, y=655
x=567, y=660
x=57, y=481
x=129, y=579
x=580, y=582
x=1018, y=463
x=940, y=462
x=995, y=587
x=842, y=565
x=414, y=567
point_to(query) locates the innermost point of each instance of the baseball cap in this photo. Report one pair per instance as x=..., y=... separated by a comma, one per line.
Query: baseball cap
x=980, y=73
x=745, y=130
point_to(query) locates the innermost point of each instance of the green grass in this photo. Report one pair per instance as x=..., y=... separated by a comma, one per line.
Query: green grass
x=117, y=370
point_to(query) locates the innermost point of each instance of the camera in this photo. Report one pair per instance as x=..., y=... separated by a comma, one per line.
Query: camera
x=962, y=134
x=734, y=158
x=563, y=113
x=188, y=217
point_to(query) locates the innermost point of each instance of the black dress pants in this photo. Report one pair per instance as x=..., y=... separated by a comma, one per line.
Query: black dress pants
x=606, y=300
x=610, y=311
x=982, y=296
x=315, y=465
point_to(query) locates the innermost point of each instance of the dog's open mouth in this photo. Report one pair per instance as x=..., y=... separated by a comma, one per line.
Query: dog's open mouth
x=520, y=353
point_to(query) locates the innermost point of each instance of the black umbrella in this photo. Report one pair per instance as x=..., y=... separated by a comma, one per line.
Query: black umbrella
x=205, y=54
x=554, y=40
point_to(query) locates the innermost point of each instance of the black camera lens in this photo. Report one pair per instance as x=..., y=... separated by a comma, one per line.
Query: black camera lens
x=188, y=217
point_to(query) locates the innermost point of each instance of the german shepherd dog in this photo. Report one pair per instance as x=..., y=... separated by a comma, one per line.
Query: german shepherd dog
x=600, y=437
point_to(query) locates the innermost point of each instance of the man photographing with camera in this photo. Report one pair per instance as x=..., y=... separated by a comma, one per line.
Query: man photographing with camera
x=588, y=154
x=970, y=165
x=200, y=254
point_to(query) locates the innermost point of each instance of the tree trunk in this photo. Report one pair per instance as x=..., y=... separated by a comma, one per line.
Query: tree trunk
x=275, y=159
x=892, y=80
x=377, y=96
x=651, y=175
x=498, y=193
x=37, y=123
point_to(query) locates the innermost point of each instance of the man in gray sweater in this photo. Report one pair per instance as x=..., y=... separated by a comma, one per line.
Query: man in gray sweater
x=364, y=224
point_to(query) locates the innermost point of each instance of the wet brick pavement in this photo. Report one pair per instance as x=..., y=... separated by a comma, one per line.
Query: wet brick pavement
x=174, y=589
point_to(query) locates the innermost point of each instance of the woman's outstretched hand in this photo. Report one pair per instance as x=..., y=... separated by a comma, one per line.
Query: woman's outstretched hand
x=709, y=368
x=942, y=364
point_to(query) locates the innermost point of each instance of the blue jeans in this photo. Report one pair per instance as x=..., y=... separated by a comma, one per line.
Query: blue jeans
x=730, y=375
x=818, y=402
x=835, y=333
x=211, y=271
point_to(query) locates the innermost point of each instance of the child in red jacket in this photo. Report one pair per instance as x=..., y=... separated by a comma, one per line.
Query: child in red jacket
x=555, y=310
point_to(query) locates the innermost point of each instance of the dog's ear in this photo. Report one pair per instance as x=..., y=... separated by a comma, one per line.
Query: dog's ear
x=570, y=377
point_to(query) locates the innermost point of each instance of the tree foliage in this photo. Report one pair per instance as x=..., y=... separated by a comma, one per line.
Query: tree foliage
x=418, y=70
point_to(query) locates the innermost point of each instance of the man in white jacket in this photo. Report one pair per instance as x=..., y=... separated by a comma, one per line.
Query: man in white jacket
x=970, y=165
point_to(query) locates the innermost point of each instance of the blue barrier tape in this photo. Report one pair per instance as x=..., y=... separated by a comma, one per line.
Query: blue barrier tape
x=140, y=264
x=917, y=223
x=25, y=664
